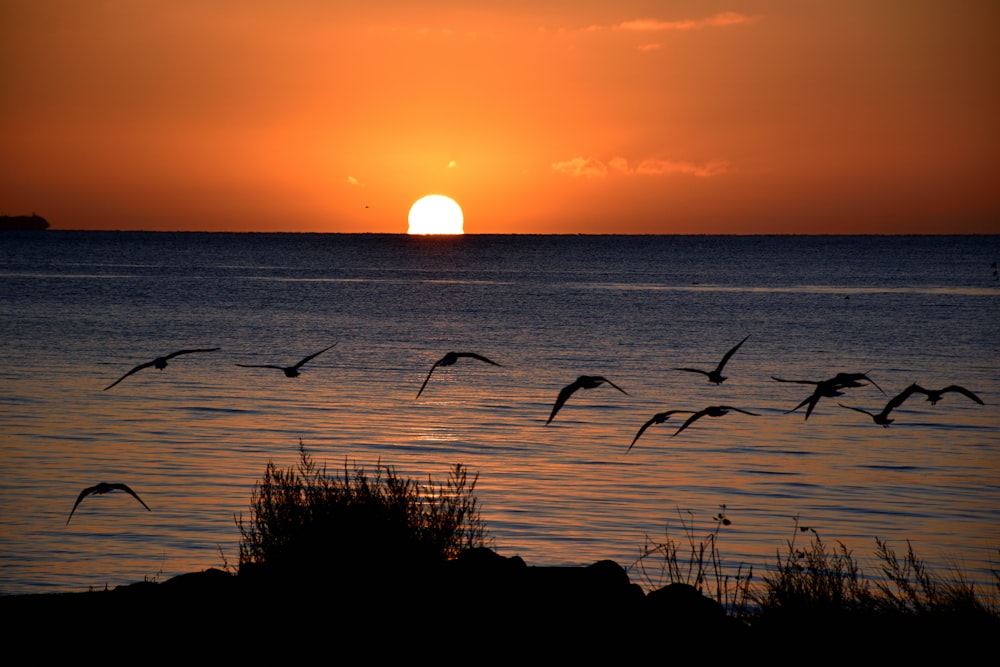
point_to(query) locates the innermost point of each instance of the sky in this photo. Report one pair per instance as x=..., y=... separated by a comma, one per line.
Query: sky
x=540, y=116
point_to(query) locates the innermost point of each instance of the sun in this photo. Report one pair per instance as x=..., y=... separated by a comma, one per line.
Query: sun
x=436, y=214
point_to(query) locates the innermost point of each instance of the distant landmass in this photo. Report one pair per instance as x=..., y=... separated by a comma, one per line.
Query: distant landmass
x=23, y=222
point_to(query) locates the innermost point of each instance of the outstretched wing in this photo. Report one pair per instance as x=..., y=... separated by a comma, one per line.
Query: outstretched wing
x=692, y=370
x=962, y=390
x=134, y=370
x=729, y=407
x=897, y=400
x=473, y=355
x=718, y=369
x=126, y=489
x=604, y=379
x=658, y=418
x=83, y=494
x=777, y=379
x=690, y=420
x=180, y=352
x=313, y=356
x=564, y=394
x=427, y=379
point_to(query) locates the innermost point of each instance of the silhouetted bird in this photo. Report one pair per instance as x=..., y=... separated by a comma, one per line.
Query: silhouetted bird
x=882, y=418
x=159, y=363
x=716, y=375
x=448, y=360
x=582, y=382
x=658, y=418
x=289, y=371
x=829, y=388
x=935, y=395
x=103, y=488
x=712, y=411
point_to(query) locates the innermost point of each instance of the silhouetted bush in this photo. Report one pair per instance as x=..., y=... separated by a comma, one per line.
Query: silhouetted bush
x=304, y=519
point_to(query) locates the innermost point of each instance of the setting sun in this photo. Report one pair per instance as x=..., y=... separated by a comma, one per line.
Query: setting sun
x=436, y=214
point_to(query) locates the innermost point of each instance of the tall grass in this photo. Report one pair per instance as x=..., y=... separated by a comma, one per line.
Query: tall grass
x=303, y=518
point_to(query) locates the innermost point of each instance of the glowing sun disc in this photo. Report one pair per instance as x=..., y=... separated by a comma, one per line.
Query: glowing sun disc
x=436, y=214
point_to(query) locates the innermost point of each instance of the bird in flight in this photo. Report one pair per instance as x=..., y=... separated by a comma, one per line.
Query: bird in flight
x=582, y=382
x=101, y=489
x=716, y=375
x=159, y=363
x=934, y=395
x=658, y=418
x=448, y=360
x=712, y=411
x=289, y=371
x=829, y=388
x=882, y=418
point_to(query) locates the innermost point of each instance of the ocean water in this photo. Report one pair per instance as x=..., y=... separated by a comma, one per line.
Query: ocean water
x=82, y=308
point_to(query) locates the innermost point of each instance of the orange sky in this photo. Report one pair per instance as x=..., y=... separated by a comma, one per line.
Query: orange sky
x=553, y=116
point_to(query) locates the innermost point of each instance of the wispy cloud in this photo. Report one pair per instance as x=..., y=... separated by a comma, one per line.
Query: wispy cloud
x=579, y=166
x=592, y=167
x=717, y=21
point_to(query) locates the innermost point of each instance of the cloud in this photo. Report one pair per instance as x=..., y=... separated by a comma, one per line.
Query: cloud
x=579, y=166
x=593, y=167
x=350, y=180
x=717, y=21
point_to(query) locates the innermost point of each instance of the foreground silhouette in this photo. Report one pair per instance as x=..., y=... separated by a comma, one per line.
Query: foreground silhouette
x=934, y=395
x=101, y=489
x=882, y=418
x=448, y=360
x=582, y=382
x=159, y=363
x=289, y=371
x=712, y=411
x=716, y=375
x=658, y=418
x=829, y=388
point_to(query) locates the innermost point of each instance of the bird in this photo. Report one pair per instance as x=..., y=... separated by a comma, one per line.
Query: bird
x=829, y=388
x=101, y=489
x=882, y=418
x=159, y=363
x=289, y=371
x=935, y=395
x=711, y=411
x=716, y=375
x=658, y=418
x=448, y=360
x=582, y=382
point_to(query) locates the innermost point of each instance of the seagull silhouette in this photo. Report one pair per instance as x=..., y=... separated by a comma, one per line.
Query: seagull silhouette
x=658, y=418
x=103, y=488
x=448, y=360
x=582, y=382
x=711, y=411
x=289, y=371
x=935, y=395
x=829, y=388
x=882, y=418
x=159, y=363
x=716, y=375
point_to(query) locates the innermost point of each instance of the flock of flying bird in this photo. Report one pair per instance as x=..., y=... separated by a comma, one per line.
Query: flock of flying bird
x=829, y=388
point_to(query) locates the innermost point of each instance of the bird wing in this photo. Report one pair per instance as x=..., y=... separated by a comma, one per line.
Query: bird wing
x=313, y=356
x=692, y=370
x=729, y=407
x=564, y=394
x=898, y=399
x=965, y=392
x=604, y=379
x=427, y=379
x=811, y=401
x=718, y=369
x=862, y=411
x=473, y=355
x=690, y=420
x=180, y=352
x=795, y=381
x=126, y=489
x=83, y=494
x=643, y=430
x=134, y=370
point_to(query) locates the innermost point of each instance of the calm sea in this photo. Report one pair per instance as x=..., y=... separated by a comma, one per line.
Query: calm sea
x=82, y=308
